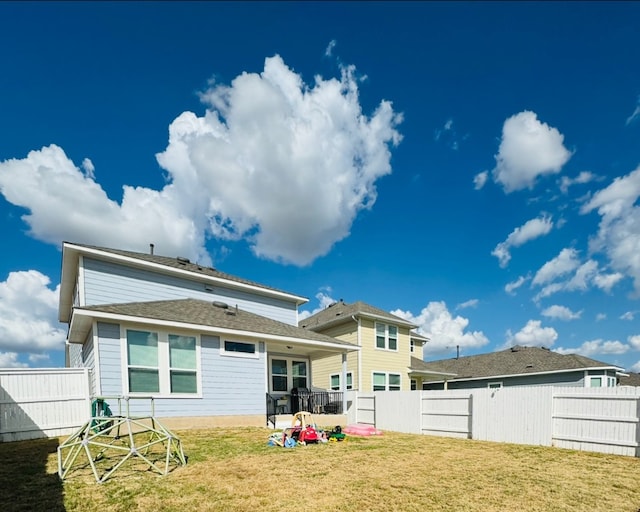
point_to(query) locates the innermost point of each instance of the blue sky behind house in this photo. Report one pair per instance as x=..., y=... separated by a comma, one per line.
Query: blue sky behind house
x=472, y=167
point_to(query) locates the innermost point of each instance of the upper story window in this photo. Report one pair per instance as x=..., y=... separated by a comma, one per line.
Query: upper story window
x=161, y=363
x=386, y=336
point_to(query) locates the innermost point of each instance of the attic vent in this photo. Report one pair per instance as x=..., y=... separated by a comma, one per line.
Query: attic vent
x=529, y=366
x=221, y=305
x=183, y=261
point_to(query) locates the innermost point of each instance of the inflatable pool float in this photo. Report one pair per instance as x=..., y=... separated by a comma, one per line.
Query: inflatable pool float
x=359, y=429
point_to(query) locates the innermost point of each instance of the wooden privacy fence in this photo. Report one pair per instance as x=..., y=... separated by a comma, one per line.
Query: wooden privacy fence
x=42, y=402
x=605, y=420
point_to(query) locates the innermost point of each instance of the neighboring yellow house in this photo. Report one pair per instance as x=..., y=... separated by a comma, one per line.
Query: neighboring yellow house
x=384, y=361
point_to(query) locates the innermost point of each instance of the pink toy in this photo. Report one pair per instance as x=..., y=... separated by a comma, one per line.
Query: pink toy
x=359, y=429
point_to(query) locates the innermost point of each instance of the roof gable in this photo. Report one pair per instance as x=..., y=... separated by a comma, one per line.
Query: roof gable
x=162, y=264
x=340, y=312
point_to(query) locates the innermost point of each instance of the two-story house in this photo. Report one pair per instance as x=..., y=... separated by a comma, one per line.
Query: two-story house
x=388, y=349
x=210, y=348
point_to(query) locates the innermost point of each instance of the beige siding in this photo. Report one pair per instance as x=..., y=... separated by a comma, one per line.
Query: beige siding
x=418, y=352
x=388, y=361
x=323, y=368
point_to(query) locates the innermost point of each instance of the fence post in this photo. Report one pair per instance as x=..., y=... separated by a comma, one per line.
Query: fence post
x=470, y=421
x=638, y=424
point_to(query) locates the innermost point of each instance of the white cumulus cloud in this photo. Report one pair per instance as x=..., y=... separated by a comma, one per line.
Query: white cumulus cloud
x=532, y=335
x=530, y=230
x=561, y=313
x=618, y=234
x=284, y=165
x=444, y=331
x=28, y=315
x=529, y=149
x=596, y=347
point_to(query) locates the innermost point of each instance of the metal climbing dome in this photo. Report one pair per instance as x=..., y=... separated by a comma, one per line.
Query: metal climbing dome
x=108, y=442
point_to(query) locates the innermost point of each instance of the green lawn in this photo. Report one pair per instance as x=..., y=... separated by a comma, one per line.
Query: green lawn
x=235, y=470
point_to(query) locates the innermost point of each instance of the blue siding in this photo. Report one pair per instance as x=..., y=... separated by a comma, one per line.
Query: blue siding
x=109, y=283
x=110, y=359
x=88, y=361
x=230, y=385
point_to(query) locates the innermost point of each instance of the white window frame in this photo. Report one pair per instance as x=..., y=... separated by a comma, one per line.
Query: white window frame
x=232, y=353
x=607, y=381
x=290, y=360
x=164, y=367
x=339, y=375
x=387, y=385
x=386, y=336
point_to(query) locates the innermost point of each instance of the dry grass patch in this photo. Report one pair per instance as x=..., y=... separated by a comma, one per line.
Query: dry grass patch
x=235, y=470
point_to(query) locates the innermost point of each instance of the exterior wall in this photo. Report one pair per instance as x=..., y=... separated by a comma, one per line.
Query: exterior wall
x=379, y=360
x=418, y=352
x=231, y=386
x=75, y=355
x=323, y=368
x=110, y=283
x=552, y=379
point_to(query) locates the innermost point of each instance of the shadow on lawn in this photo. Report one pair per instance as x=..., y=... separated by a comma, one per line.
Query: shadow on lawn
x=26, y=482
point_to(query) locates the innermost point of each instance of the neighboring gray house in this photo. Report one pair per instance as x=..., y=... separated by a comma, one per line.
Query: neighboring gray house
x=211, y=348
x=519, y=366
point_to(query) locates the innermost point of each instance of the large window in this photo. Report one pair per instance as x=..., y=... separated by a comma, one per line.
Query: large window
x=161, y=363
x=386, y=336
x=334, y=381
x=288, y=373
x=383, y=381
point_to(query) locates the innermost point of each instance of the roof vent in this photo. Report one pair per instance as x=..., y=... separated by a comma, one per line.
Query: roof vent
x=220, y=304
x=529, y=366
x=183, y=261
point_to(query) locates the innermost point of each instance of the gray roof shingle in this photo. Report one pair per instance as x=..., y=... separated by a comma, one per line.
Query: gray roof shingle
x=339, y=312
x=513, y=361
x=200, y=312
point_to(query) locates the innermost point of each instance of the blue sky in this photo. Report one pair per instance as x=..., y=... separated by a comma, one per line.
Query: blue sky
x=472, y=167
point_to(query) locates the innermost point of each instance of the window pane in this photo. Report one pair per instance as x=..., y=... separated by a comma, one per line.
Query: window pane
x=182, y=352
x=394, y=381
x=349, y=381
x=596, y=382
x=237, y=346
x=379, y=382
x=299, y=368
x=143, y=381
x=142, y=348
x=335, y=382
x=279, y=383
x=183, y=382
x=393, y=337
x=278, y=367
x=381, y=336
x=299, y=382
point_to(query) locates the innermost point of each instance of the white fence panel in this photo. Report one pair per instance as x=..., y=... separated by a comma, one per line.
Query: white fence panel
x=42, y=402
x=397, y=411
x=366, y=408
x=446, y=413
x=519, y=415
x=605, y=420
